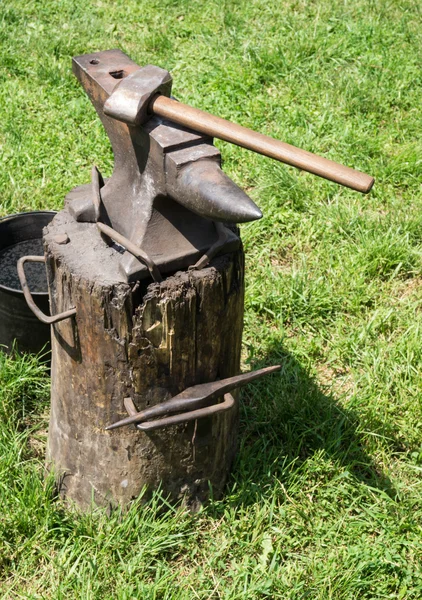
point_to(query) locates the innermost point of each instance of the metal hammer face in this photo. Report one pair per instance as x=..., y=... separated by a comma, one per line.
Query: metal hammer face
x=167, y=187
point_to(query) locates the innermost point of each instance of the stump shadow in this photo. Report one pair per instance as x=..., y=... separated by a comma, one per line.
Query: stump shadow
x=287, y=418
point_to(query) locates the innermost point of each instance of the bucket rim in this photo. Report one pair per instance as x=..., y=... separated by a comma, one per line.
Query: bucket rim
x=28, y=212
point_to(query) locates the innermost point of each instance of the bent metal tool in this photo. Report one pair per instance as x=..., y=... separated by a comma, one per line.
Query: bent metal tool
x=195, y=399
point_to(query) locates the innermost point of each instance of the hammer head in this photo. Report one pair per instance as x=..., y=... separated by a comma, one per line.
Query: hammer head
x=130, y=98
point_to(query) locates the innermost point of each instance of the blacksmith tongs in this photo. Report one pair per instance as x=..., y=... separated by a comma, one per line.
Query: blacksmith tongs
x=195, y=400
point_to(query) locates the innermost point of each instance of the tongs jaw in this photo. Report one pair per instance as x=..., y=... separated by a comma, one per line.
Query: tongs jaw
x=191, y=404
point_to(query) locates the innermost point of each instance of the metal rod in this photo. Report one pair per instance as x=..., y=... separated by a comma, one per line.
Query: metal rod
x=133, y=249
x=192, y=415
x=213, y=126
x=28, y=296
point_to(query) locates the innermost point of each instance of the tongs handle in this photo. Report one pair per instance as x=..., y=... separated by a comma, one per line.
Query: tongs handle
x=192, y=415
x=191, y=399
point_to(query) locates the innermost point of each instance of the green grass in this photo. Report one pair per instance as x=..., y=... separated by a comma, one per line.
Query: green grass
x=325, y=499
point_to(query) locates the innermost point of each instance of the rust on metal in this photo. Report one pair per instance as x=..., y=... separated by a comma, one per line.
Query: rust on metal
x=195, y=397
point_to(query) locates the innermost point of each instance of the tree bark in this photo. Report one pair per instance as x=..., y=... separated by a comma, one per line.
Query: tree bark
x=146, y=341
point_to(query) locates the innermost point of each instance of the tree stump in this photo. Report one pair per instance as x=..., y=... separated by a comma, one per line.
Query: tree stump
x=146, y=341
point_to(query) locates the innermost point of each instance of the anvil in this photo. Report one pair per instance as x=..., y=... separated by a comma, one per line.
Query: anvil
x=167, y=194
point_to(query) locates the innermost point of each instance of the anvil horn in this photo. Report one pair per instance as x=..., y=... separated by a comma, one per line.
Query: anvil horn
x=205, y=189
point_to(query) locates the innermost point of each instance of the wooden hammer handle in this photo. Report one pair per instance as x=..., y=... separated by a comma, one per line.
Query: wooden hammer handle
x=213, y=126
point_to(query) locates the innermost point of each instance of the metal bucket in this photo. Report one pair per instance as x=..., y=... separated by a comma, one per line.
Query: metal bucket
x=19, y=234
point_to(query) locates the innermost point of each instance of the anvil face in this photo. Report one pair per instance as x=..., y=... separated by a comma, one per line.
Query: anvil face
x=167, y=187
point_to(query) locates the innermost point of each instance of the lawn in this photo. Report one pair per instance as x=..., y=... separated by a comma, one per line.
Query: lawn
x=325, y=497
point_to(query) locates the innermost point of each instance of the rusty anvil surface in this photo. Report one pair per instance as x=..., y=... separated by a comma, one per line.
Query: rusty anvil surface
x=167, y=193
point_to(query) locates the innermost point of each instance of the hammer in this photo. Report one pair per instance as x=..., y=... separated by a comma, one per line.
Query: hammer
x=120, y=105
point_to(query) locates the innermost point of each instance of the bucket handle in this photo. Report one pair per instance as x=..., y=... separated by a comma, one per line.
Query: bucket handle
x=28, y=296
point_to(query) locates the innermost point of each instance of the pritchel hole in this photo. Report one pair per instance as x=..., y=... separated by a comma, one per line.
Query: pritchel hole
x=118, y=74
x=94, y=61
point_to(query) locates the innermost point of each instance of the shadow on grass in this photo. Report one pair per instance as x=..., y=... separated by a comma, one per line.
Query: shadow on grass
x=286, y=420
